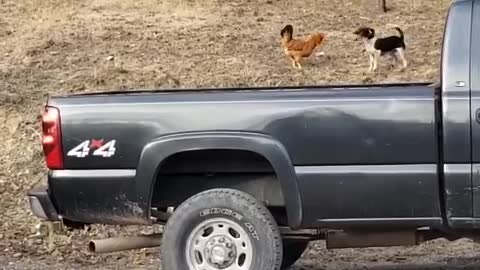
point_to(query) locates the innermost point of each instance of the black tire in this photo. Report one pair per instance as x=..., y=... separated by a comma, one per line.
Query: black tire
x=292, y=251
x=240, y=211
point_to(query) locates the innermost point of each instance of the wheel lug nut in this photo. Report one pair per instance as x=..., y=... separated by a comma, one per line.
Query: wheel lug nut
x=229, y=245
x=221, y=240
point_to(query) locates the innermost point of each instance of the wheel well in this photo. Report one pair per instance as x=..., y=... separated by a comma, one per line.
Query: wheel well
x=185, y=174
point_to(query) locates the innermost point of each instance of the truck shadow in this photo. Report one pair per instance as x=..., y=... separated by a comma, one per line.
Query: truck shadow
x=471, y=263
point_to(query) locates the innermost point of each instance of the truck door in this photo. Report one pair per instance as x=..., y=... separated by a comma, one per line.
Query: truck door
x=475, y=106
x=456, y=152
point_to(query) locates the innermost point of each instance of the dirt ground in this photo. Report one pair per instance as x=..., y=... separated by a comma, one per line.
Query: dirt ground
x=53, y=47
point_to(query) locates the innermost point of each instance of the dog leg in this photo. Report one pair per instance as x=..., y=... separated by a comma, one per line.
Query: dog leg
x=370, y=60
x=394, y=59
x=401, y=56
x=375, y=61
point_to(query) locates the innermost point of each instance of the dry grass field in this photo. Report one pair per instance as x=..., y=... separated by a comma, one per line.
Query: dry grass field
x=54, y=47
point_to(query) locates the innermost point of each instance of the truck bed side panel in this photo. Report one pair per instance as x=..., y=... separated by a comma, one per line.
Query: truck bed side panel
x=328, y=127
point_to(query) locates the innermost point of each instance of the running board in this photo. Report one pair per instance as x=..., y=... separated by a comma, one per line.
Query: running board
x=364, y=239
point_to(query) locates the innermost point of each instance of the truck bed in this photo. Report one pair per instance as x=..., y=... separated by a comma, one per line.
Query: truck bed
x=381, y=136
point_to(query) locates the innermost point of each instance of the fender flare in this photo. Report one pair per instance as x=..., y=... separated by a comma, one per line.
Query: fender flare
x=161, y=148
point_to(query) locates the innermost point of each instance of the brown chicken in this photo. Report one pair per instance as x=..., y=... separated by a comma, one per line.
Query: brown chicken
x=297, y=49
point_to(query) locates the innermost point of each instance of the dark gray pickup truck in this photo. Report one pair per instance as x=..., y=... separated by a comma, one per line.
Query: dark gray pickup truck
x=245, y=178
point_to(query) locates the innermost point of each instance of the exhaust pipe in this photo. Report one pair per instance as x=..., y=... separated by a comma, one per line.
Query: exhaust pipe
x=124, y=243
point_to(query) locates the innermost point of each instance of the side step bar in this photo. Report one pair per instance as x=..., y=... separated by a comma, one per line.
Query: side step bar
x=342, y=239
x=365, y=238
x=337, y=239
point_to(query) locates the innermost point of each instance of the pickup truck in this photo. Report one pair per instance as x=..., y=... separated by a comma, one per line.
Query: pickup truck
x=245, y=178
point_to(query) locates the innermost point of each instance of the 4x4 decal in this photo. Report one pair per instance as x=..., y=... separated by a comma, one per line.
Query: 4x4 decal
x=101, y=149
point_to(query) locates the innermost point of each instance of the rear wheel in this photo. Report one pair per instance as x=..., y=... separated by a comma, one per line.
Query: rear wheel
x=221, y=229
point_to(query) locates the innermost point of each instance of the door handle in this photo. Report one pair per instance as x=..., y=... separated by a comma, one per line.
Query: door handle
x=477, y=115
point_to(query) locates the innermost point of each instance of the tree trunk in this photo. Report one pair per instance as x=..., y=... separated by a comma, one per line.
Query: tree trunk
x=382, y=5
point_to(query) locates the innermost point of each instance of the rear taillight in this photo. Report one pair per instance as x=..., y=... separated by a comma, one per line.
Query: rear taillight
x=52, y=138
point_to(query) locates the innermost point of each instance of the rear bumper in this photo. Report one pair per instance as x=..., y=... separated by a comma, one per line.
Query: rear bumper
x=98, y=197
x=41, y=205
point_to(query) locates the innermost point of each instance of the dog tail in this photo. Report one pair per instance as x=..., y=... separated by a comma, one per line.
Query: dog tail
x=402, y=36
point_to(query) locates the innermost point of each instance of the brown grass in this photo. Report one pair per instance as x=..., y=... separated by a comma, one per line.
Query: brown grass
x=64, y=46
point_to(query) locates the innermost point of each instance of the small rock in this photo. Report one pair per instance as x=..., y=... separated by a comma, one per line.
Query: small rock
x=17, y=255
x=109, y=58
x=26, y=60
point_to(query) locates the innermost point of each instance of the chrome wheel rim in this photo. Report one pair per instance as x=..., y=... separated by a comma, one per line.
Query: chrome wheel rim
x=219, y=243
